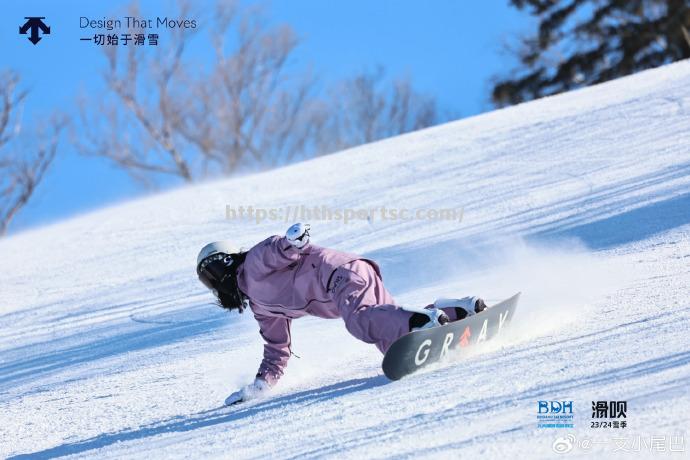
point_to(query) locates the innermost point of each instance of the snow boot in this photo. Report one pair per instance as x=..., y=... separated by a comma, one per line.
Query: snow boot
x=458, y=309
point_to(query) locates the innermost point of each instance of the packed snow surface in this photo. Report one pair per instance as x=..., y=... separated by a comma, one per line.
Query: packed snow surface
x=111, y=348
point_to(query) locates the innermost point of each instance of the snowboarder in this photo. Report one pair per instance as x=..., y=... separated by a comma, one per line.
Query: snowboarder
x=284, y=278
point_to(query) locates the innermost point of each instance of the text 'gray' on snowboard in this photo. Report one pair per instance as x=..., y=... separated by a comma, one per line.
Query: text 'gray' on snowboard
x=427, y=346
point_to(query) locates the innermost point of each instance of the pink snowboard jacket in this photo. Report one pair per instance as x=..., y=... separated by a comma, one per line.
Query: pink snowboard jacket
x=284, y=283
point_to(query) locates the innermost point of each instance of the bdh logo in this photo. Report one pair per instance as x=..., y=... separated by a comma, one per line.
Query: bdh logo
x=555, y=407
x=34, y=24
x=555, y=414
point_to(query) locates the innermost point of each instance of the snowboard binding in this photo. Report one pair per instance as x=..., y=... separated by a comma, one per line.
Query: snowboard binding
x=424, y=318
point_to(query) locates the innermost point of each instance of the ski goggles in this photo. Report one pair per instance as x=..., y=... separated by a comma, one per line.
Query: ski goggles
x=213, y=269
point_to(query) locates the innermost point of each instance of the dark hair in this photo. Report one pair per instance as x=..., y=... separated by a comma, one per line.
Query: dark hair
x=219, y=273
x=230, y=296
x=231, y=301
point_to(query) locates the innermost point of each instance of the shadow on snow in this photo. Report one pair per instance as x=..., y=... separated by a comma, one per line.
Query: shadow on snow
x=32, y=362
x=209, y=418
x=634, y=225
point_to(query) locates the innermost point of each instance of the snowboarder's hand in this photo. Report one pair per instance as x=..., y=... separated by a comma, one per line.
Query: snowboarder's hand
x=298, y=235
x=259, y=389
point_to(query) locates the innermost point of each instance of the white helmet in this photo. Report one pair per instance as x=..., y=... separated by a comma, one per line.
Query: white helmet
x=216, y=266
x=222, y=247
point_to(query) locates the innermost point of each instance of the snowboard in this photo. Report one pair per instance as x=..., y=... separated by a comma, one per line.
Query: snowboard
x=418, y=349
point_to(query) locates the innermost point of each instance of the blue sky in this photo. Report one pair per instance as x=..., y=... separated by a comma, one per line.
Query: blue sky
x=450, y=49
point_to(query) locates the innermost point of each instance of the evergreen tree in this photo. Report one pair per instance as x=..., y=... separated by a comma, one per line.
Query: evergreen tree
x=582, y=42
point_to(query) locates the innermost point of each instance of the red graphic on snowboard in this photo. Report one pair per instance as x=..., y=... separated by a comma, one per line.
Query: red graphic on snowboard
x=465, y=337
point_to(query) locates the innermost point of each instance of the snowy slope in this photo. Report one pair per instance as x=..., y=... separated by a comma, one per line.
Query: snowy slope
x=109, y=346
